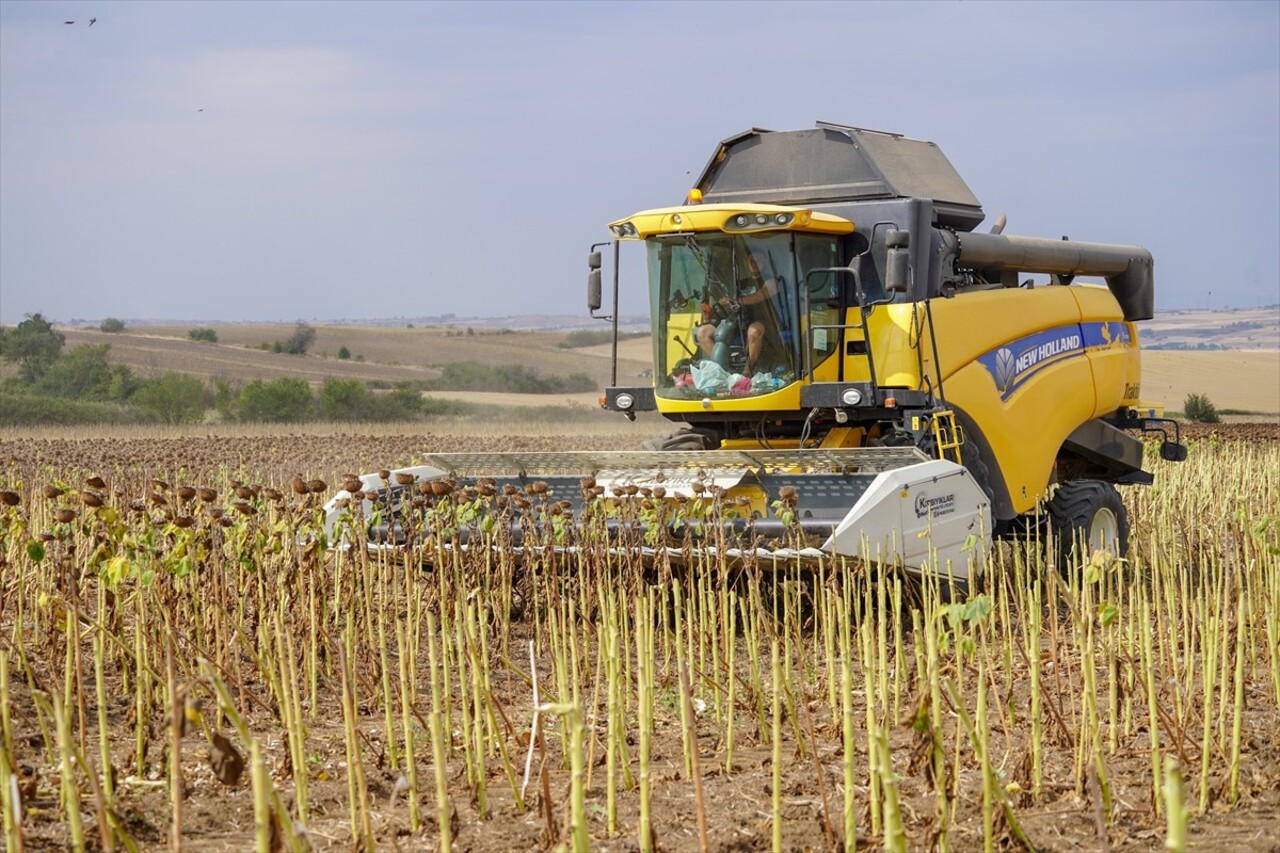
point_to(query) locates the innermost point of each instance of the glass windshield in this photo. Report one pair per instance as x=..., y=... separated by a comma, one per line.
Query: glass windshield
x=728, y=311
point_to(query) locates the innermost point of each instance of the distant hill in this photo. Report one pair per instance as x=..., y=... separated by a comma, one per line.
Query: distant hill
x=1246, y=376
x=1231, y=329
x=1228, y=328
x=377, y=354
x=518, y=322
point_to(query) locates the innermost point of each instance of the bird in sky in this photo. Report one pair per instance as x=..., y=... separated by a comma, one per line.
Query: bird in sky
x=68, y=22
x=93, y=21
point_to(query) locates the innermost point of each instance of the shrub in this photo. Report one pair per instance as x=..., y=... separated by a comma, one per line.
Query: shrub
x=33, y=345
x=297, y=344
x=448, y=408
x=174, y=398
x=203, y=333
x=282, y=400
x=345, y=400
x=402, y=404
x=344, y=353
x=301, y=339
x=111, y=324
x=586, y=338
x=84, y=374
x=1199, y=409
x=594, y=337
x=36, y=410
x=512, y=378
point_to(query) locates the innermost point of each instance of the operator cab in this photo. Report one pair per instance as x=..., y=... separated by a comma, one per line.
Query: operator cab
x=729, y=317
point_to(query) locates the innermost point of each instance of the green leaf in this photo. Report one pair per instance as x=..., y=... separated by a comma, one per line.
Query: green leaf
x=977, y=609
x=1107, y=613
x=35, y=550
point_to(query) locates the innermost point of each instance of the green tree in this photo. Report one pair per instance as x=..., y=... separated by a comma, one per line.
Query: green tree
x=282, y=400
x=301, y=340
x=344, y=353
x=224, y=398
x=33, y=345
x=174, y=398
x=84, y=374
x=404, y=403
x=111, y=324
x=203, y=333
x=345, y=400
x=1199, y=409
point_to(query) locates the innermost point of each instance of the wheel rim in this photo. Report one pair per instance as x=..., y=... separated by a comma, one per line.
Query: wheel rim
x=1104, y=530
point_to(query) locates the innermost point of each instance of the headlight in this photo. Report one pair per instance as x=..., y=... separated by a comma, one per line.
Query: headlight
x=851, y=396
x=759, y=221
x=624, y=401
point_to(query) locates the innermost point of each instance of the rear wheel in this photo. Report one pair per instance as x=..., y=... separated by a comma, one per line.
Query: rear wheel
x=1088, y=514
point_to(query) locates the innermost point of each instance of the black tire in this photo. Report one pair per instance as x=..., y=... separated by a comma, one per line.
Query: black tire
x=1088, y=511
x=970, y=458
x=684, y=439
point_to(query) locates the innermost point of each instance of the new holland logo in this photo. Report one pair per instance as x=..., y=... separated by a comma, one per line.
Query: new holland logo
x=1006, y=369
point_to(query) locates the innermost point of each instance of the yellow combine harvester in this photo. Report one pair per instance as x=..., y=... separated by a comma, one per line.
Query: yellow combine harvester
x=860, y=372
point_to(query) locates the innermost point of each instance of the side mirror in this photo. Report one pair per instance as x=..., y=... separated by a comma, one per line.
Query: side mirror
x=896, y=272
x=594, y=290
x=1172, y=451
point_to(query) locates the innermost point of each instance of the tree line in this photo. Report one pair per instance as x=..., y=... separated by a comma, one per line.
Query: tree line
x=55, y=385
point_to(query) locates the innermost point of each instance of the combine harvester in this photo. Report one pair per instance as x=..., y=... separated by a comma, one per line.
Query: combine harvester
x=860, y=373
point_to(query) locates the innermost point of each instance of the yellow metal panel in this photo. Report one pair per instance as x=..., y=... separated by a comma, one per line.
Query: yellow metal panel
x=895, y=332
x=786, y=399
x=1117, y=363
x=685, y=326
x=1026, y=432
x=713, y=217
x=971, y=324
x=1024, y=428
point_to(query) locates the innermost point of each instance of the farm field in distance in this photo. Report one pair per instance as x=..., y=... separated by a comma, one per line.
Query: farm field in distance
x=176, y=608
x=383, y=354
x=1245, y=377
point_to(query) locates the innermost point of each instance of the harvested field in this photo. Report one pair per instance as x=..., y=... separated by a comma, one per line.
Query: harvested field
x=760, y=705
x=377, y=353
x=1245, y=380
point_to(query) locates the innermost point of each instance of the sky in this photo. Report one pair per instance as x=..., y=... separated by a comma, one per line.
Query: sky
x=276, y=161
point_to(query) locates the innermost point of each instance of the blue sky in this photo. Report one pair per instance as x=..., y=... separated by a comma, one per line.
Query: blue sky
x=277, y=161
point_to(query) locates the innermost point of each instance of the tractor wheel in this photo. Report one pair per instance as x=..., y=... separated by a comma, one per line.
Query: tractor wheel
x=1088, y=512
x=684, y=439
